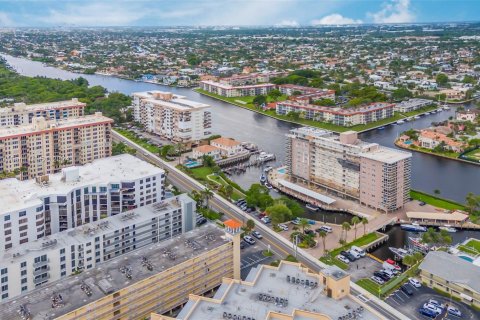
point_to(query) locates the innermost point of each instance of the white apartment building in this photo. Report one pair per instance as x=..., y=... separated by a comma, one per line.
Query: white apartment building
x=412, y=105
x=342, y=164
x=34, y=209
x=172, y=116
x=21, y=113
x=83, y=248
x=228, y=90
x=44, y=147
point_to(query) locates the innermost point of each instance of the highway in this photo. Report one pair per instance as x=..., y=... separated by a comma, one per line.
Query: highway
x=277, y=243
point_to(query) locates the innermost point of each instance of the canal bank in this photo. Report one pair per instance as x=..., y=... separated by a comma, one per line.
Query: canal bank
x=453, y=178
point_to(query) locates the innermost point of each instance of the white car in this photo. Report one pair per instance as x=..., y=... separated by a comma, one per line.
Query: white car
x=343, y=259
x=432, y=308
x=414, y=282
x=377, y=280
x=249, y=240
x=282, y=226
x=436, y=304
x=454, y=311
x=265, y=220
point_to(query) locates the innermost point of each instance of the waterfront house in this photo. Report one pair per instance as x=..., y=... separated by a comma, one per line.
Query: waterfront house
x=467, y=115
x=229, y=147
x=430, y=139
x=207, y=150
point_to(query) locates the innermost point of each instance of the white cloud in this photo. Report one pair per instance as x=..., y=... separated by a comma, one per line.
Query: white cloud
x=394, y=11
x=5, y=20
x=288, y=23
x=335, y=19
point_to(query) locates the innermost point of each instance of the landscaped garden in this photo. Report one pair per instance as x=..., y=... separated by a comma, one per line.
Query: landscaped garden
x=436, y=201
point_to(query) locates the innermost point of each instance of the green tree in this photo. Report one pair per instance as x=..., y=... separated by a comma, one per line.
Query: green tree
x=304, y=224
x=275, y=94
x=166, y=150
x=401, y=93
x=355, y=221
x=208, y=161
x=364, y=223
x=441, y=79
x=345, y=228
x=259, y=100
x=472, y=202
x=249, y=226
x=408, y=260
x=278, y=213
x=228, y=191
x=293, y=205
x=207, y=194
x=257, y=196
x=322, y=234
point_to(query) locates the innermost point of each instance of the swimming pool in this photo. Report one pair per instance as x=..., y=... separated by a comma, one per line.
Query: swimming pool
x=466, y=258
x=192, y=164
x=408, y=142
x=282, y=170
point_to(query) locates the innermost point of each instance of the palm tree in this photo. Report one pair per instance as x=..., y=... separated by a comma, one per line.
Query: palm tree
x=249, y=226
x=228, y=191
x=346, y=227
x=206, y=195
x=364, y=222
x=322, y=234
x=304, y=224
x=166, y=150
x=355, y=220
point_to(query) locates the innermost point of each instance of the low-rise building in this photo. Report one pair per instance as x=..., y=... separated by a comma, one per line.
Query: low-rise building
x=37, y=208
x=336, y=115
x=21, y=113
x=286, y=292
x=467, y=115
x=62, y=254
x=229, y=147
x=412, y=105
x=172, y=116
x=207, y=150
x=430, y=139
x=229, y=91
x=453, y=275
x=45, y=147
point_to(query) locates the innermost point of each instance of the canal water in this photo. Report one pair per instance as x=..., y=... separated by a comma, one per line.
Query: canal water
x=453, y=179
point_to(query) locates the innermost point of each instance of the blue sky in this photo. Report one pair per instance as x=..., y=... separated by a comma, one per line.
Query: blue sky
x=232, y=12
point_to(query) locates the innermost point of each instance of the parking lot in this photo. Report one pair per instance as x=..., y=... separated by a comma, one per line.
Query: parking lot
x=252, y=255
x=363, y=268
x=409, y=305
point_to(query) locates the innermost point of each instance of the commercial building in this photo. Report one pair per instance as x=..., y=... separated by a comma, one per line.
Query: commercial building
x=337, y=115
x=44, y=147
x=37, y=208
x=172, y=116
x=376, y=176
x=156, y=278
x=21, y=113
x=412, y=105
x=63, y=254
x=286, y=292
x=230, y=91
x=453, y=275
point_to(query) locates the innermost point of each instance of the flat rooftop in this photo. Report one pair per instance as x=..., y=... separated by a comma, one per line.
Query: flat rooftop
x=386, y=155
x=39, y=303
x=177, y=101
x=9, y=131
x=87, y=232
x=229, y=86
x=243, y=298
x=17, y=194
x=42, y=106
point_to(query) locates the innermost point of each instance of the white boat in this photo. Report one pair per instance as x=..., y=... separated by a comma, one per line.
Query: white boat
x=416, y=117
x=267, y=169
x=427, y=113
x=268, y=186
x=448, y=228
x=400, y=122
x=446, y=108
x=263, y=179
x=399, y=252
x=414, y=227
x=312, y=207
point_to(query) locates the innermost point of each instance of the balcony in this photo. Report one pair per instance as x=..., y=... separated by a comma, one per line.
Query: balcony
x=40, y=264
x=41, y=280
x=41, y=271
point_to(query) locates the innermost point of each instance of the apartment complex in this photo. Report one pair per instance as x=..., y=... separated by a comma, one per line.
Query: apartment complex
x=412, y=105
x=172, y=116
x=286, y=292
x=83, y=248
x=44, y=147
x=136, y=284
x=38, y=208
x=230, y=91
x=337, y=115
x=453, y=275
x=306, y=94
x=252, y=78
x=21, y=113
x=376, y=176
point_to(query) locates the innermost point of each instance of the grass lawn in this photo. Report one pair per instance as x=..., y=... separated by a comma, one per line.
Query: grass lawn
x=205, y=174
x=247, y=103
x=436, y=201
x=140, y=141
x=334, y=261
x=364, y=240
x=472, y=247
x=468, y=250
x=473, y=155
x=475, y=244
x=201, y=173
x=370, y=286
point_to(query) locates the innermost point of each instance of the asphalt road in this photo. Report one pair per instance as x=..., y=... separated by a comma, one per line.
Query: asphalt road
x=277, y=244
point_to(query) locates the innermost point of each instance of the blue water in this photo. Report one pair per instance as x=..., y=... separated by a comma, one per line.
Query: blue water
x=466, y=258
x=192, y=164
x=408, y=142
x=282, y=171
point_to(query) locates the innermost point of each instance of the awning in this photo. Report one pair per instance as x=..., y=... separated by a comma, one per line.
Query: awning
x=306, y=192
x=456, y=216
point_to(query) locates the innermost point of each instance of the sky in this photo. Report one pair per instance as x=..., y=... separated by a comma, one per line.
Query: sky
x=51, y=13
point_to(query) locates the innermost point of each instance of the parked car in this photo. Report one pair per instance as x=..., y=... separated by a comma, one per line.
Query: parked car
x=388, y=272
x=242, y=244
x=249, y=240
x=422, y=203
x=355, y=254
x=309, y=232
x=436, y=304
x=201, y=221
x=296, y=221
x=381, y=275
x=427, y=312
x=266, y=220
x=377, y=280
x=406, y=289
x=282, y=226
x=257, y=234
x=432, y=308
x=358, y=250
x=414, y=282
x=343, y=259
x=327, y=229
x=348, y=255
x=454, y=311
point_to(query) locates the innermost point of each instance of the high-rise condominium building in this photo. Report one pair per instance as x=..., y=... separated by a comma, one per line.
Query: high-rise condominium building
x=37, y=208
x=377, y=176
x=172, y=117
x=44, y=147
x=21, y=113
x=83, y=248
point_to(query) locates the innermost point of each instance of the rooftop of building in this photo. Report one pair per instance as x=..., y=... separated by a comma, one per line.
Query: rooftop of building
x=350, y=111
x=205, y=148
x=228, y=86
x=17, y=195
x=386, y=155
x=108, y=275
x=9, y=131
x=88, y=231
x=241, y=298
x=170, y=100
x=413, y=102
x=42, y=106
x=227, y=142
x=453, y=269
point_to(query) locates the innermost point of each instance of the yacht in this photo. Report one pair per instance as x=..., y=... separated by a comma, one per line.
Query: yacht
x=427, y=113
x=414, y=227
x=400, y=122
x=416, y=117
x=263, y=178
x=446, y=108
x=267, y=169
x=448, y=228
x=380, y=128
x=312, y=207
x=399, y=252
x=268, y=186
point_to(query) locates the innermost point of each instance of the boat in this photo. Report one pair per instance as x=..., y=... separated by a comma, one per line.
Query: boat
x=268, y=186
x=267, y=169
x=417, y=245
x=446, y=108
x=380, y=128
x=399, y=252
x=414, y=227
x=448, y=228
x=400, y=122
x=312, y=207
x=416, y=117
x=263, y=179
x=427, y=113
